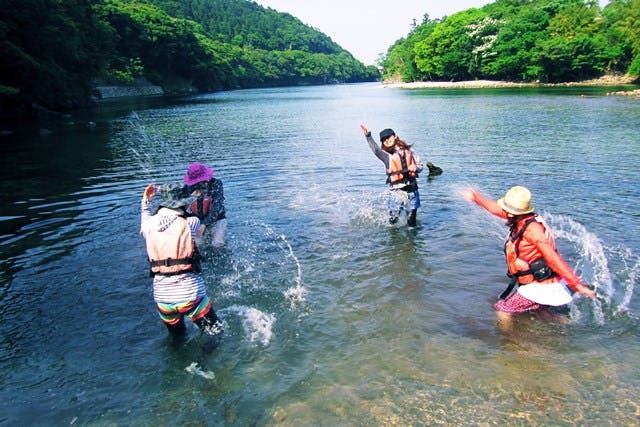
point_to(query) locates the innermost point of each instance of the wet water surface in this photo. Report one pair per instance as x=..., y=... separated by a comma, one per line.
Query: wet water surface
x=333, y=316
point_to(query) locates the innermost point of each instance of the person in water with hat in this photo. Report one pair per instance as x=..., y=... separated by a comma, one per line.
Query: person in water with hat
x=402, y=165
x=171, y=241
x=534, y=264
x=209, y=203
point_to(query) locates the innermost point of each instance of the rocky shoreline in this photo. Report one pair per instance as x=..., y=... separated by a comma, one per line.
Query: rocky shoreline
x=608, y=80
x=632, y=93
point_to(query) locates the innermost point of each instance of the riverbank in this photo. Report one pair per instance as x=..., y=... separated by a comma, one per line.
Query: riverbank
x=608, y=80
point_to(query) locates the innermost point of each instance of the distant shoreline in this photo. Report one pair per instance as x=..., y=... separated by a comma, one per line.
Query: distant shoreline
x=608, y=80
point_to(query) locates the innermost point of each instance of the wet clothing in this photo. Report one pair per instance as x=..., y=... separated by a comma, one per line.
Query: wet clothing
x=402, y=169
x=209, y=207
x=175, y=293
x=173, y=313
x=529, y=241
x=516, y=303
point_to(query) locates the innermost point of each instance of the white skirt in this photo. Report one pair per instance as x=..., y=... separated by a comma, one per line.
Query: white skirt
x=555, y=293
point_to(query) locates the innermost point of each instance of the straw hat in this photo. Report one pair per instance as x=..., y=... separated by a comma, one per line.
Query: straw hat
x=517, y=201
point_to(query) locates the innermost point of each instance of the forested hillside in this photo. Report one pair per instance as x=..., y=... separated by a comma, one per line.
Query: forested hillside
x=53, y=52
x=522, y=40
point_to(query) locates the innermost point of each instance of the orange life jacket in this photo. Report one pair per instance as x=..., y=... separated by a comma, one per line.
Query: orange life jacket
x=201, y=206
x=521, y=254
x=402, y=167
x=172, y=250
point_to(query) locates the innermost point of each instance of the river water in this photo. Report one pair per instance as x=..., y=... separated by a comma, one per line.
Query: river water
x=333, y=316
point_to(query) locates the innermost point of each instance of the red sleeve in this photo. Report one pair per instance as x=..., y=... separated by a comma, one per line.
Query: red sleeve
x=536, y=235
x=489, y=205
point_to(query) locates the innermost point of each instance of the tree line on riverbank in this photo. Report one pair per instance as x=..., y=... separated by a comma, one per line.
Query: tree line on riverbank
x=521, y=41
x=53, y=53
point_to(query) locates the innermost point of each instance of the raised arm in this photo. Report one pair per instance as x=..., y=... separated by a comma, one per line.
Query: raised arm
x=375, y=148
x=486, y=203
x=145, y=209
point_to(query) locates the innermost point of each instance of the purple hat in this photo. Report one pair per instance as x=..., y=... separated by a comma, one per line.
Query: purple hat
x=196, y=173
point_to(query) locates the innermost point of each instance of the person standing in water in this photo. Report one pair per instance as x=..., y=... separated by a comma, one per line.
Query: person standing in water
x=209, y=203
x=178, y=287
x=402, y=166
x=533, y=262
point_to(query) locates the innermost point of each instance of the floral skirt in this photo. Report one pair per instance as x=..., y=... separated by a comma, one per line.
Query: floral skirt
x=516, y=303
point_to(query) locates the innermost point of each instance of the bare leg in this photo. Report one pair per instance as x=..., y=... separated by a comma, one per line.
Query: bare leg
x=505, y=320
x=550, y=315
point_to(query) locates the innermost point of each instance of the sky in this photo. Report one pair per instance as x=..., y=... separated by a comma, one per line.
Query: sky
x=367, y=28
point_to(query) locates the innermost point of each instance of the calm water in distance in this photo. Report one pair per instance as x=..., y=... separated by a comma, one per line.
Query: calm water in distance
x=333, y=317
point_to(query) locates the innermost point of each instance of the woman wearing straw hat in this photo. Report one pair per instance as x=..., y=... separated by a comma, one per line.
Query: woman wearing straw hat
x=533, y=262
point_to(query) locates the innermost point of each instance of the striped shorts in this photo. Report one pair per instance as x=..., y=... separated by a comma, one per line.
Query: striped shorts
x=173, y=313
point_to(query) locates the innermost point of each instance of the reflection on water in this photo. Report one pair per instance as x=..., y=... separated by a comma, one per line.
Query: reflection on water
x=332, y=316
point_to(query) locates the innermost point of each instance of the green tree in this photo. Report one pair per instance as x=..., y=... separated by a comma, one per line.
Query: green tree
x=573, y=51
x=514, y=53
x=49, y=51
x=448, y=51
x=623, y=34
x=399, y=62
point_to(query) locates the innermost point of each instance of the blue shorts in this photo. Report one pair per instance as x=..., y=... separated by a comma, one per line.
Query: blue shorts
x=401, y=200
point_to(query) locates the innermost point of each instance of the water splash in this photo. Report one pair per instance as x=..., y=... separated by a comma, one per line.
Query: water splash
x=152, y=154
x=194, y=369
x=596, y=262
x=295, y=293
x=257, y=325
x=632, y=266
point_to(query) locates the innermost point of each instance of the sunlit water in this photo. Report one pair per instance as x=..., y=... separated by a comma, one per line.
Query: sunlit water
x=333, y=317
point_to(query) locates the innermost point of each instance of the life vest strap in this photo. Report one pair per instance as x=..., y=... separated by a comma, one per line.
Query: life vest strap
x=170, y=262
x=512, y=284
x=174, y=273
x=539, y=269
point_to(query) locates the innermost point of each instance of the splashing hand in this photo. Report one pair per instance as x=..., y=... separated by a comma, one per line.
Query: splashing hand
x=469, y=194
x=583, y=290
x=149, y=192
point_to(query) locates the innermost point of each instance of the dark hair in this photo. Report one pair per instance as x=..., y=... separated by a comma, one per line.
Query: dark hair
x=403, y=144
x=398, y=143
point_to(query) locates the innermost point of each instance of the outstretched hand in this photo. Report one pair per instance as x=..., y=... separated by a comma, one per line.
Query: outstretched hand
x=364, y=129
x=469, y=194
x=583, y=290
x=149, y=192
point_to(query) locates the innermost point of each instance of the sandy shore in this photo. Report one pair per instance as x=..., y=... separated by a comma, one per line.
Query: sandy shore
x=602, y=81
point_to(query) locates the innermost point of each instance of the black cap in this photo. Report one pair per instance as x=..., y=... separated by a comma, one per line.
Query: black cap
x=386, y=133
